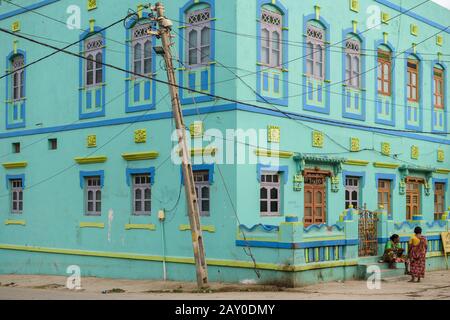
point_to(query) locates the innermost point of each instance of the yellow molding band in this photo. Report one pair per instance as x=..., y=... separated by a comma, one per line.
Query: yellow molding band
x=99, y=159
x=211, y=262
x=99, y=225
x=442, y=171
x=14, y=165
x=186, y=227
x=15, y=222
x=201, y=151
x=273, y=153
x=361, y=163
x=386, y=165
x=149, y=155
x=150, y=227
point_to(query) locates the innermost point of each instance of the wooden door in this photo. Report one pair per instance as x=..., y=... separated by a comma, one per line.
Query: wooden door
x=315, y=199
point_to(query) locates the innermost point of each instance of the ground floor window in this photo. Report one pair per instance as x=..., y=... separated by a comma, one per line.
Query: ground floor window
x=352, y=192
x=93, y=196
x=202, y=187
x=141, y=194
x=413, y=197
x=16, y=196
x=269, y=202
x=384, y=195
x=315, y=198
x=439, y=200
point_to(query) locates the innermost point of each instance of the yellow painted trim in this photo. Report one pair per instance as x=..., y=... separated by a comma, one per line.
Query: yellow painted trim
x=150, y=227
x=186, y=227
x=323, y=239
x=443, y=171
x=386, y=165
x=98, y=159
x=148, y=155
x=211, y=262
x=274, y=153
x=99, y=225
x=434, y=254
x=361, y=163
x=15, y=222
x=201, y=151
x=14, y=165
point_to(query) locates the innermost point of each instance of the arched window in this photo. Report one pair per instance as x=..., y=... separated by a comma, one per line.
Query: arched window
x=384, y=72
x=18, y=77
x=315, y=52
x=142, y=50
x=94, y=57
x=198, y=33
x=353, y=63
x=271, y=38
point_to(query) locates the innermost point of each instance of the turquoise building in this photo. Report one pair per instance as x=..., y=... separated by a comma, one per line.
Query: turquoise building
x=339, y=108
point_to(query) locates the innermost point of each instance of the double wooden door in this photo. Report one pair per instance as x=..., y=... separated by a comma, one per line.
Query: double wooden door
x=315, y=198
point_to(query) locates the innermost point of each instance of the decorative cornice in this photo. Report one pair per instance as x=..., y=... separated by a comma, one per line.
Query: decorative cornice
x=15, y=222
x=14, y=165
x=442, y=171
x=352, y=162
x=99, y=225
x=274, y=153
x=136, y=156
x=201, y=151
x=150, y=227
x=89, y=160
x=386, y=165
x=186, y=227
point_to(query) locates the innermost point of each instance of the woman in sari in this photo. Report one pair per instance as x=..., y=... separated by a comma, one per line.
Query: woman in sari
x=417, y=255
x=393, y=252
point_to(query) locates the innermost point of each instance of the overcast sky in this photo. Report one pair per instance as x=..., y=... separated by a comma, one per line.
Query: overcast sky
x=445, y=3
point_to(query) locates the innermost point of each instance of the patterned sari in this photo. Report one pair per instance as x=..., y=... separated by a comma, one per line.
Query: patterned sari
x=417, y=256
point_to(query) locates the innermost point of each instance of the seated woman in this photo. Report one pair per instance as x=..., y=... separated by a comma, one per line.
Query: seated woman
x=393, y=252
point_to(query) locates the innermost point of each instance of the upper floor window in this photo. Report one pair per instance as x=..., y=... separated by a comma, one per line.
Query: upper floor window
x=271, y=38
x=438, y=92
x=353, y=63
x=412, y=81
x=384, y=72
x=142, y=49
x=315, y=52
x=94, y=58
x=16, y=196
x=18, y=77
x=199, y=37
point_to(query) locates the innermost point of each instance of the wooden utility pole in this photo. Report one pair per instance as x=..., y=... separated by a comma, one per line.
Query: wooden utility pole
x=164, y=32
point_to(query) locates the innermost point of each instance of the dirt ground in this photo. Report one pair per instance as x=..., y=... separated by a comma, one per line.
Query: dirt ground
x=436, y=286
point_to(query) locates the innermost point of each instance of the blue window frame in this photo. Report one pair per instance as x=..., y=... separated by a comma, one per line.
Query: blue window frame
x=15, y=90
x=439, y=97
x=413, y=98
x=92, y=74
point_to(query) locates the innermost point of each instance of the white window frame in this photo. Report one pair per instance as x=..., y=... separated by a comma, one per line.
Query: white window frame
x=271, y=23
x=352, y=69
x=142, y=183
x=143, y=56
x=350, y=188
x=16, y=196
x=93, y=184
x=17, y=78
x=198, y=21
x=315, y=52
x=269, y=186
x=94, y=54
x=201, y=180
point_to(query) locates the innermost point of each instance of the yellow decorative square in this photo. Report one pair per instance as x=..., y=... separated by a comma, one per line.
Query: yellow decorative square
x=385, y=17
x=273, y=134
x=440, y=155
x=196, y=129
x=354, y=145
x=92, y=141
x=414, y=29
x=354, y=5
x=91, y=4
x=415, y=152
x=439, y=40
x=15, y=26
x=317, y=139
x=386, y=148
x=140, y=136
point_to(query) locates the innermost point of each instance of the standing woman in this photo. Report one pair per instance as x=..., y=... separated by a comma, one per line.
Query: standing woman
x=417, y=255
